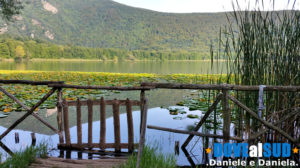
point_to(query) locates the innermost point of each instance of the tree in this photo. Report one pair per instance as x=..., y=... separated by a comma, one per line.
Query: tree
x=20, y=53
x=8, y=8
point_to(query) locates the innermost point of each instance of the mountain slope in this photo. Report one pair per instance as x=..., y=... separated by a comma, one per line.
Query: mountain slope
x=107, y=24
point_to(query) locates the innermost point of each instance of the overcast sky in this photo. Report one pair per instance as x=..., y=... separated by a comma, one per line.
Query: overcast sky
x=189, y=6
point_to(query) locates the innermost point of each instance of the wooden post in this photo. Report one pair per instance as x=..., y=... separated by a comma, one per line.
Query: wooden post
x=79, y=155
x=59, y=105
x=102, y=124
x=116, y=114
x=142, y=99
x=176, y=148
x=66, y=122
x=33, y=139
x=79, y=126
x=90, y=122
x=68, y=154
x=17, y=138
x=226, y=116
x=143, y=132
x=130, y=126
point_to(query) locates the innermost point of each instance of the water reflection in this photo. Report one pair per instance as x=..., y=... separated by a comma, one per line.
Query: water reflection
x=166, y=67
x=164, y=141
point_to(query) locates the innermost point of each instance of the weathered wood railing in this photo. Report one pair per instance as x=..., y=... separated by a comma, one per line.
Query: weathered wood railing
x=102, y=139
x=62, y=115
x=224, y=97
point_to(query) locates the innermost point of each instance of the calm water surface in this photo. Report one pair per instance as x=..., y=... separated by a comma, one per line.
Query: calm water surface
x=166, y=67
x=157, y=98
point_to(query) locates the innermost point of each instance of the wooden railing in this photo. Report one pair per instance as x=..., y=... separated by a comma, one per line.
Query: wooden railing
x=62, y=113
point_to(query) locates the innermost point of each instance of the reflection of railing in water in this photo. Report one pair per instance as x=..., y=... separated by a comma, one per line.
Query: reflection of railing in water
x=223, y=97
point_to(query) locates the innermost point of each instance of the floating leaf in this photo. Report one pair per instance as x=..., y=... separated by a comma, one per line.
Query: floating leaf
x=192, y=116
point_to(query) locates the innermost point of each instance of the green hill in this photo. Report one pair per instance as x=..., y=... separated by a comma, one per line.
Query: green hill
x=107, y=24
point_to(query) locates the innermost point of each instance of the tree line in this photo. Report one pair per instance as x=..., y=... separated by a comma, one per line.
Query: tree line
x=17, y=48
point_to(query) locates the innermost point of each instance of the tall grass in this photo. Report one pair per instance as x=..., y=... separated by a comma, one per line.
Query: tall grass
x=25, y=158
x=263, y=48
x=151, y=159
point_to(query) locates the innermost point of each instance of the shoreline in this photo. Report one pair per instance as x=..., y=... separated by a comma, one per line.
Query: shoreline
x=98, y=60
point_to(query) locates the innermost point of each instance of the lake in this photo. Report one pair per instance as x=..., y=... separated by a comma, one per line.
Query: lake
x=159, y=100
x=164, y=67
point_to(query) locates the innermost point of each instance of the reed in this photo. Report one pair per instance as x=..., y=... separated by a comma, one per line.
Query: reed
x=263, y=48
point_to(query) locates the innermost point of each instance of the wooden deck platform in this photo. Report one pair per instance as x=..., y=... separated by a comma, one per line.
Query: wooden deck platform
x=52, y=162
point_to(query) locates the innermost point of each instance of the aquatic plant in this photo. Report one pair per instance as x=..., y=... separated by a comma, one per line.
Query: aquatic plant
x=31, y=94
x=263, y=48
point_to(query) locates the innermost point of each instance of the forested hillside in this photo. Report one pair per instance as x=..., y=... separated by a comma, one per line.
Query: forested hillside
x=107, y=24
x=26, y=48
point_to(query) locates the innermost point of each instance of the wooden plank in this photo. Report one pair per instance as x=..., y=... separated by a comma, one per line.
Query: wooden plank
x=93, y=145
x=295, y=113
x=203, y=119
x=27, y=109
x=195, y=133
x=66, y=121
x=226, y=116
x=3, y=146
x=267, y=124
x=143, y=132
x=102, y=123
x=79, y=125
x=130, y=125
x=59, y=105
x=221, y=87
x=107, y=102
x=30, y=82
x=16, y=123
x=90, y=121
x=101, y=87
x=116, y=116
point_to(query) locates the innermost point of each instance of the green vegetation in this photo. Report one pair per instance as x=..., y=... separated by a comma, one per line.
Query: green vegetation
x=25, y=158
x=31, y=94
x=107, y=24
x=150, y=159
x=265, y=50
x=9, y=8
x=25, y=48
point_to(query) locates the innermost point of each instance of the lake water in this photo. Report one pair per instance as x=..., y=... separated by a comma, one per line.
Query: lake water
x=165, y=67
x=157, y=99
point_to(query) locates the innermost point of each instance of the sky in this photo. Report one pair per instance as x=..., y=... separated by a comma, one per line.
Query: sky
x=192, y=6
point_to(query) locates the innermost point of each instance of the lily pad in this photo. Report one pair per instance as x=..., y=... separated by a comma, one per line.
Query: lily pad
x=177, y=118
x=192, y=116
x=180, y=104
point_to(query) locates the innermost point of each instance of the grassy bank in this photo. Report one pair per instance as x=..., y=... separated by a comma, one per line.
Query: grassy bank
x=25, y=158
x=150, y=159
x=31, y=94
